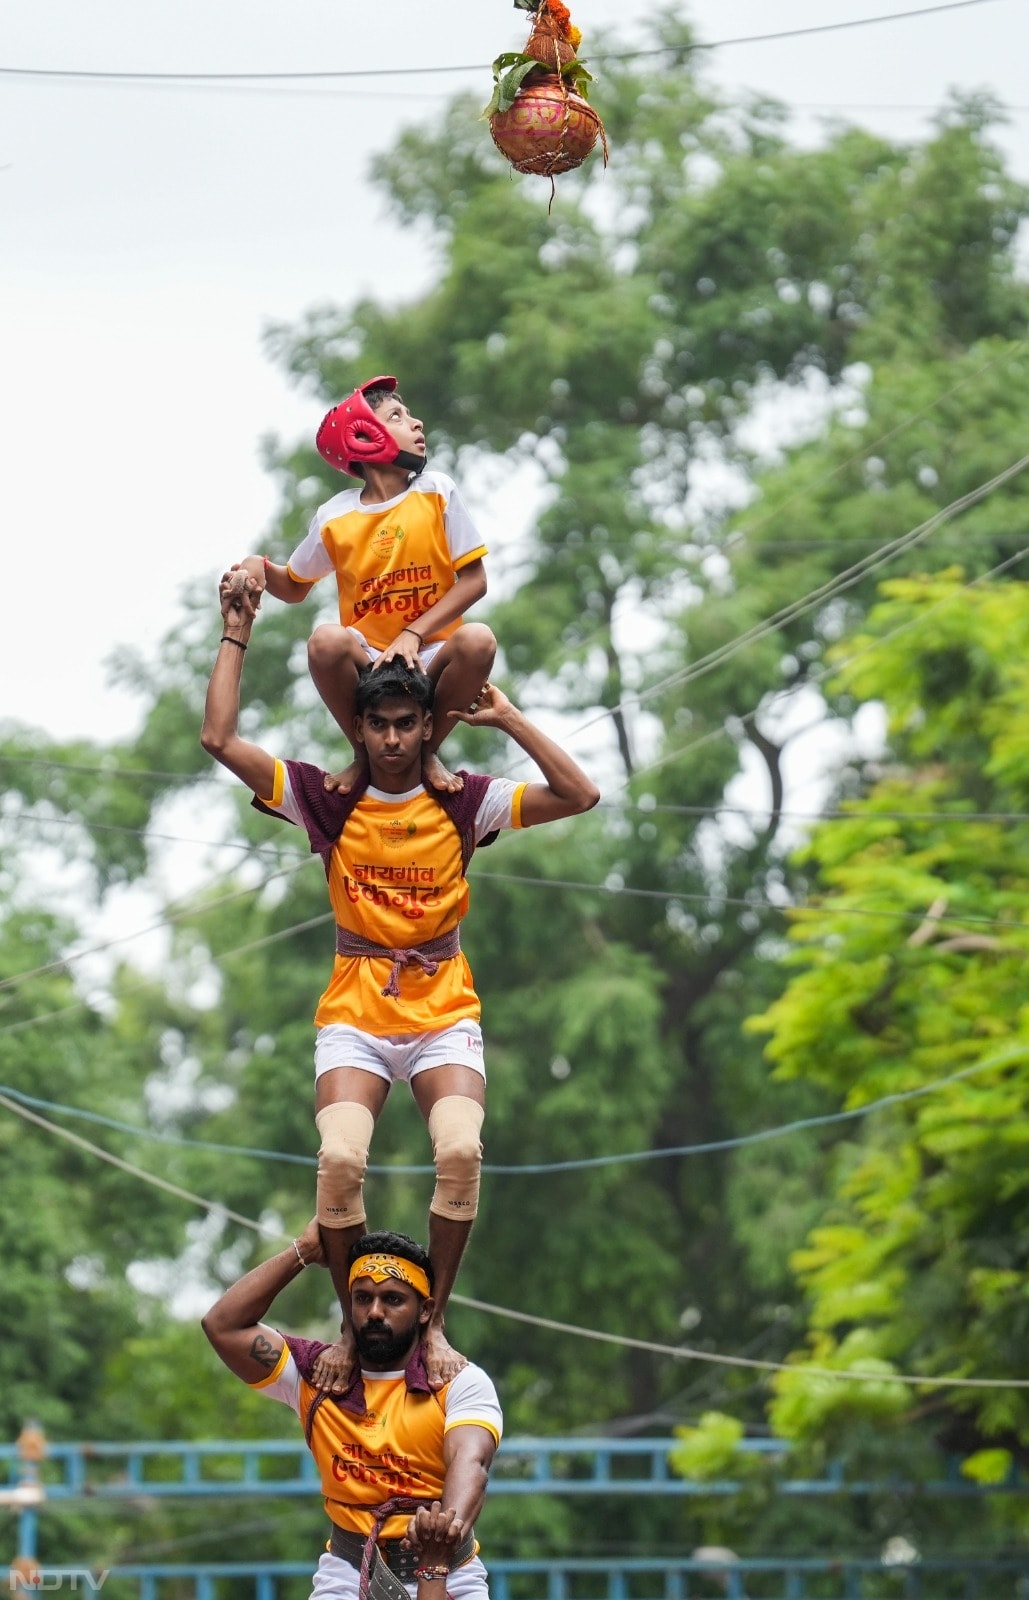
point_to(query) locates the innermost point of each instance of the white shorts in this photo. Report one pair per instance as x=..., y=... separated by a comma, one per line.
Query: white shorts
x=398, y=1057
x=425, y=652
x=338, y=1580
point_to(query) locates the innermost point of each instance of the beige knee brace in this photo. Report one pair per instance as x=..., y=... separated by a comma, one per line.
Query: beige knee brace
x=346, y=1130
x=454, y=1124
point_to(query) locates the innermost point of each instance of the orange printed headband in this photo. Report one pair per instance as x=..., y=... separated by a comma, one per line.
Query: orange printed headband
x=381, y=1267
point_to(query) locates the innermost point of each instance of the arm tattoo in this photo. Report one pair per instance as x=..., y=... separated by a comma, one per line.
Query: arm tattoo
x=264, y=1352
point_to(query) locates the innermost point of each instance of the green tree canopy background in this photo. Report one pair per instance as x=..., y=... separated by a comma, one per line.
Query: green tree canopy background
x=687, y=965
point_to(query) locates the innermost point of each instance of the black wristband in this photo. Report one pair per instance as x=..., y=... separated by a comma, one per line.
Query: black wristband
x=226, y=639
x=415, y=632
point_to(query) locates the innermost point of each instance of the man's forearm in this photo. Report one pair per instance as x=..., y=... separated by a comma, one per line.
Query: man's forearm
x=464, y=1487
x=221, y=708
x=563, y=775
x=249, y=1300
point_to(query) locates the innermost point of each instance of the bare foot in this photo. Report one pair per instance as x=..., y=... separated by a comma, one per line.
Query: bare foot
x=442, y=1361
x=436, y=776
x=343, y=781
x=334, y=1366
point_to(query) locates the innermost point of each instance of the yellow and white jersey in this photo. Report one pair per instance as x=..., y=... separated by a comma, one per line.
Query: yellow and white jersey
x=392, y=560
x=396, y=877
x=395, y=1448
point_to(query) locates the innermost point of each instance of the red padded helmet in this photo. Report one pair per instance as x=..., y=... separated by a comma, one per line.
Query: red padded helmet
x=351, y=435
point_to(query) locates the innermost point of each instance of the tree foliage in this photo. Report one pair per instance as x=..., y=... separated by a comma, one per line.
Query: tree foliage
x=705, y=583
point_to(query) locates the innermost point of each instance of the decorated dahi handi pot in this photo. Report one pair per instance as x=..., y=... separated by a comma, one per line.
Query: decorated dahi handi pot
x=539, y=116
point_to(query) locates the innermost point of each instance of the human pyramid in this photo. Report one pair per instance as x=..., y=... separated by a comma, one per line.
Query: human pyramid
x=402, y=1427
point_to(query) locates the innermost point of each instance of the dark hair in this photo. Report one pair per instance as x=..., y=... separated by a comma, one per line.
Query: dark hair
x=395, y=681
x=392, y=1244
x=376, y=397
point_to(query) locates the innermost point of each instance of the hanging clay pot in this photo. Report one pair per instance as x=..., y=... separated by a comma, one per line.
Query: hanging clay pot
x=548, y=129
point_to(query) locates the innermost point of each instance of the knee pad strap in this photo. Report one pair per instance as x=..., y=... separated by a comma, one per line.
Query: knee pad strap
x=454, y=1126
x=346, y=1130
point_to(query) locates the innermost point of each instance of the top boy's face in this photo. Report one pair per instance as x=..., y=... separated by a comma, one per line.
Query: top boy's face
x=408, y=431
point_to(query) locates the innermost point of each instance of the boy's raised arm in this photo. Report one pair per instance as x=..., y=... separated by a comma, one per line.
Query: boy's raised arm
x=268, y=575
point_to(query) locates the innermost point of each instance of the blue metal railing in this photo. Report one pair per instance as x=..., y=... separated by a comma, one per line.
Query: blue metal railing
x=563, y=1466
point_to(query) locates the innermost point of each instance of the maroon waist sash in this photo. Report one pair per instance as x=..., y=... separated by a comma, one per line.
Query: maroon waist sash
x=427, y=956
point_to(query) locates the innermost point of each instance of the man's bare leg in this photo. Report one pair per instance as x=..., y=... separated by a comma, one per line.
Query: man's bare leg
x=448, y=1238
x=459, y=670
x=334, y=1367
x=334, y=657
x=447, y=1243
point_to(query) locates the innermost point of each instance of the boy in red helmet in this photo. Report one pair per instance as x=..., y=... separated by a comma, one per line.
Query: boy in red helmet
x=408, y=563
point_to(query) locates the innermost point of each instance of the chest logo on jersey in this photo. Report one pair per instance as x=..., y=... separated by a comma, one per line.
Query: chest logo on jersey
x=387, y=539
x=395, y=834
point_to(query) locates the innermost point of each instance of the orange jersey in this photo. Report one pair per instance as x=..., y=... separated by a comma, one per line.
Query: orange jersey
x=393, y=560
x=396, y=877
x=396, y=1448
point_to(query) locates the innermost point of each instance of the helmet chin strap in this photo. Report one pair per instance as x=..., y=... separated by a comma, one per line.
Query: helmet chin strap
x=408, y=459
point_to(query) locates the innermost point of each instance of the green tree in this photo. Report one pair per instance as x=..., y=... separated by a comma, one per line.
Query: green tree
x=627, y=350
x=919, y=1262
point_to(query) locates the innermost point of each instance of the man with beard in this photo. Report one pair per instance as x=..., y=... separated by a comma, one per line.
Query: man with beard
x=388, y=1446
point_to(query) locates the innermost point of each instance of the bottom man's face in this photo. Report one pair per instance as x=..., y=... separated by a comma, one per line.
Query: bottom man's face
x=386, y=1321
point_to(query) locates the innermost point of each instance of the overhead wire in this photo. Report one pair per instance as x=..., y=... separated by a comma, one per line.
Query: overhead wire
x=712, y=809
x=884, y=553
x=169, y=920
x=715, y=658
x=828, y=590
x=680, y=1352
x=814, y=678
x=677, y=1352
x=704, y=897
x=539, y=1168
x=93, y=75
x=708, y=897
x=1016, y=348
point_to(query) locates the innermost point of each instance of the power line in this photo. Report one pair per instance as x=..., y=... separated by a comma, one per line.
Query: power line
x=817, y=677
x=826, y=591
x=215, y=777
x=832, y=814
x=688, y=1353
x=706, y=898
x=88, y=75
x=808, y=490
x=622, y=807
x=678, y=1352
x=155, y=927
x=127, y=1166
x=542, y=1168
x=696, y=669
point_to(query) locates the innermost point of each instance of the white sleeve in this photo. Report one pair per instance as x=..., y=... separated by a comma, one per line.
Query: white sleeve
x=471, y=1397
x=310, y=560
x=282, y=800
x=285, y=1386
x=497, y=809
x=463, y=537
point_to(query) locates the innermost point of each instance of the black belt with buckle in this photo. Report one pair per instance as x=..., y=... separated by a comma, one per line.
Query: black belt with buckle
x=400, y=1562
